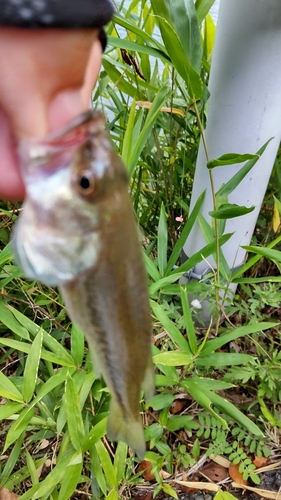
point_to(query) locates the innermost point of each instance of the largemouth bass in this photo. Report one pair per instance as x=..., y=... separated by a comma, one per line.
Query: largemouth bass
x=78, y=231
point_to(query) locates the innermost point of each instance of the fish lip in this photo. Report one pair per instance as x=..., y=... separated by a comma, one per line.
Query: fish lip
x=54, y=151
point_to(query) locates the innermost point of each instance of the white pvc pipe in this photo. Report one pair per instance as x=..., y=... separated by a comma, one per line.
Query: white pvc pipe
x=244, y=112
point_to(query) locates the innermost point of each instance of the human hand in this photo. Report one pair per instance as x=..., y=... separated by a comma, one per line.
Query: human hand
x=46, y=79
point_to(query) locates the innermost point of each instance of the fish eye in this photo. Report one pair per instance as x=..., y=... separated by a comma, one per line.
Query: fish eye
x=84, y=183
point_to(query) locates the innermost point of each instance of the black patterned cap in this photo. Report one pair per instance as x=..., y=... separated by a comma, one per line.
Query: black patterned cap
x=55, y=13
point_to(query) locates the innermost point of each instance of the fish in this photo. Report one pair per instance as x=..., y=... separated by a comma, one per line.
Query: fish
x=78, y=231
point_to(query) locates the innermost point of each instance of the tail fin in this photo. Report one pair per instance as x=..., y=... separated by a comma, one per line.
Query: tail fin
x=128, y=430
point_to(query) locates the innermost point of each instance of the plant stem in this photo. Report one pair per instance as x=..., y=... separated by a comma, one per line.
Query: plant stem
x=216, y=223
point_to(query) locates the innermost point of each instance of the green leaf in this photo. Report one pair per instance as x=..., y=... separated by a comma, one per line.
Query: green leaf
x=230, y=210
x=106, y=464
x=203, y=397
x=73, y=414
x=180, y=32
x=220, y=359
x=215, y=344
x=173, y=358
x=12, y=460
x=51, y=481
x=170, y=326
x=31, y=367
x=10, y=321
x=9, y=409
x=167, y=488
x=77, y=345
x=96, y=433
x=120, y=457
x=229, y=186
x=32, y=468
x=8, y=390
x=160, y=401
x=18, y=427
x=70, y=480
x=162, y=241
x=269, y=253
x=202, y=8
x=188, y=321
x=151, y=118
x=231, y=159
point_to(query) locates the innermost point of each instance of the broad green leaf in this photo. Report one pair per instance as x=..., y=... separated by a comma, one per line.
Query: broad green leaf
x=32, y=468
x=231, y=159
x=163, y=282
x=215, y=344
x=232, y=184
x=224, y=495
x=18, y=427
x=162, y=241
x=96, y=433
x=113, y=495
x=168, y=490
x=6, y=254
x=173, y=358
x=106, y=464
x=9, y=409
x=120, y=457
x=77, y=345
x=160, y=401
x=212, y=384
x=9, y=320
x=170, y=326
x=179, y=27
x=151, y=268
x=69, y=483
x=265, y=252
x=51, y=481
x=176, y=422
x=8, y=390
x=220, y=359
x=234, y=413
x=26, y=347
x=73, y=414
x=50, y=342
x=202, y=8
x=203, y=397
x=97, y=472
x=31, y=367
x=253, y=260
x=230, y=210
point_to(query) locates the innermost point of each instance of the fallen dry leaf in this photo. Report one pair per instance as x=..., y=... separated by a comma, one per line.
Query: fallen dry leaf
x=187, y=489
x=199, y=485
x=236, y=475
x=164, y=474
x=7, y=494
x=177, y=406
x=145, y=467
x=214, y=472
x=260, y=462
x=273, y=495
x=220, y=460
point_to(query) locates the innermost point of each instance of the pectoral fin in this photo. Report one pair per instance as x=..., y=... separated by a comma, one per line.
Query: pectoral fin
x=124, y=429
